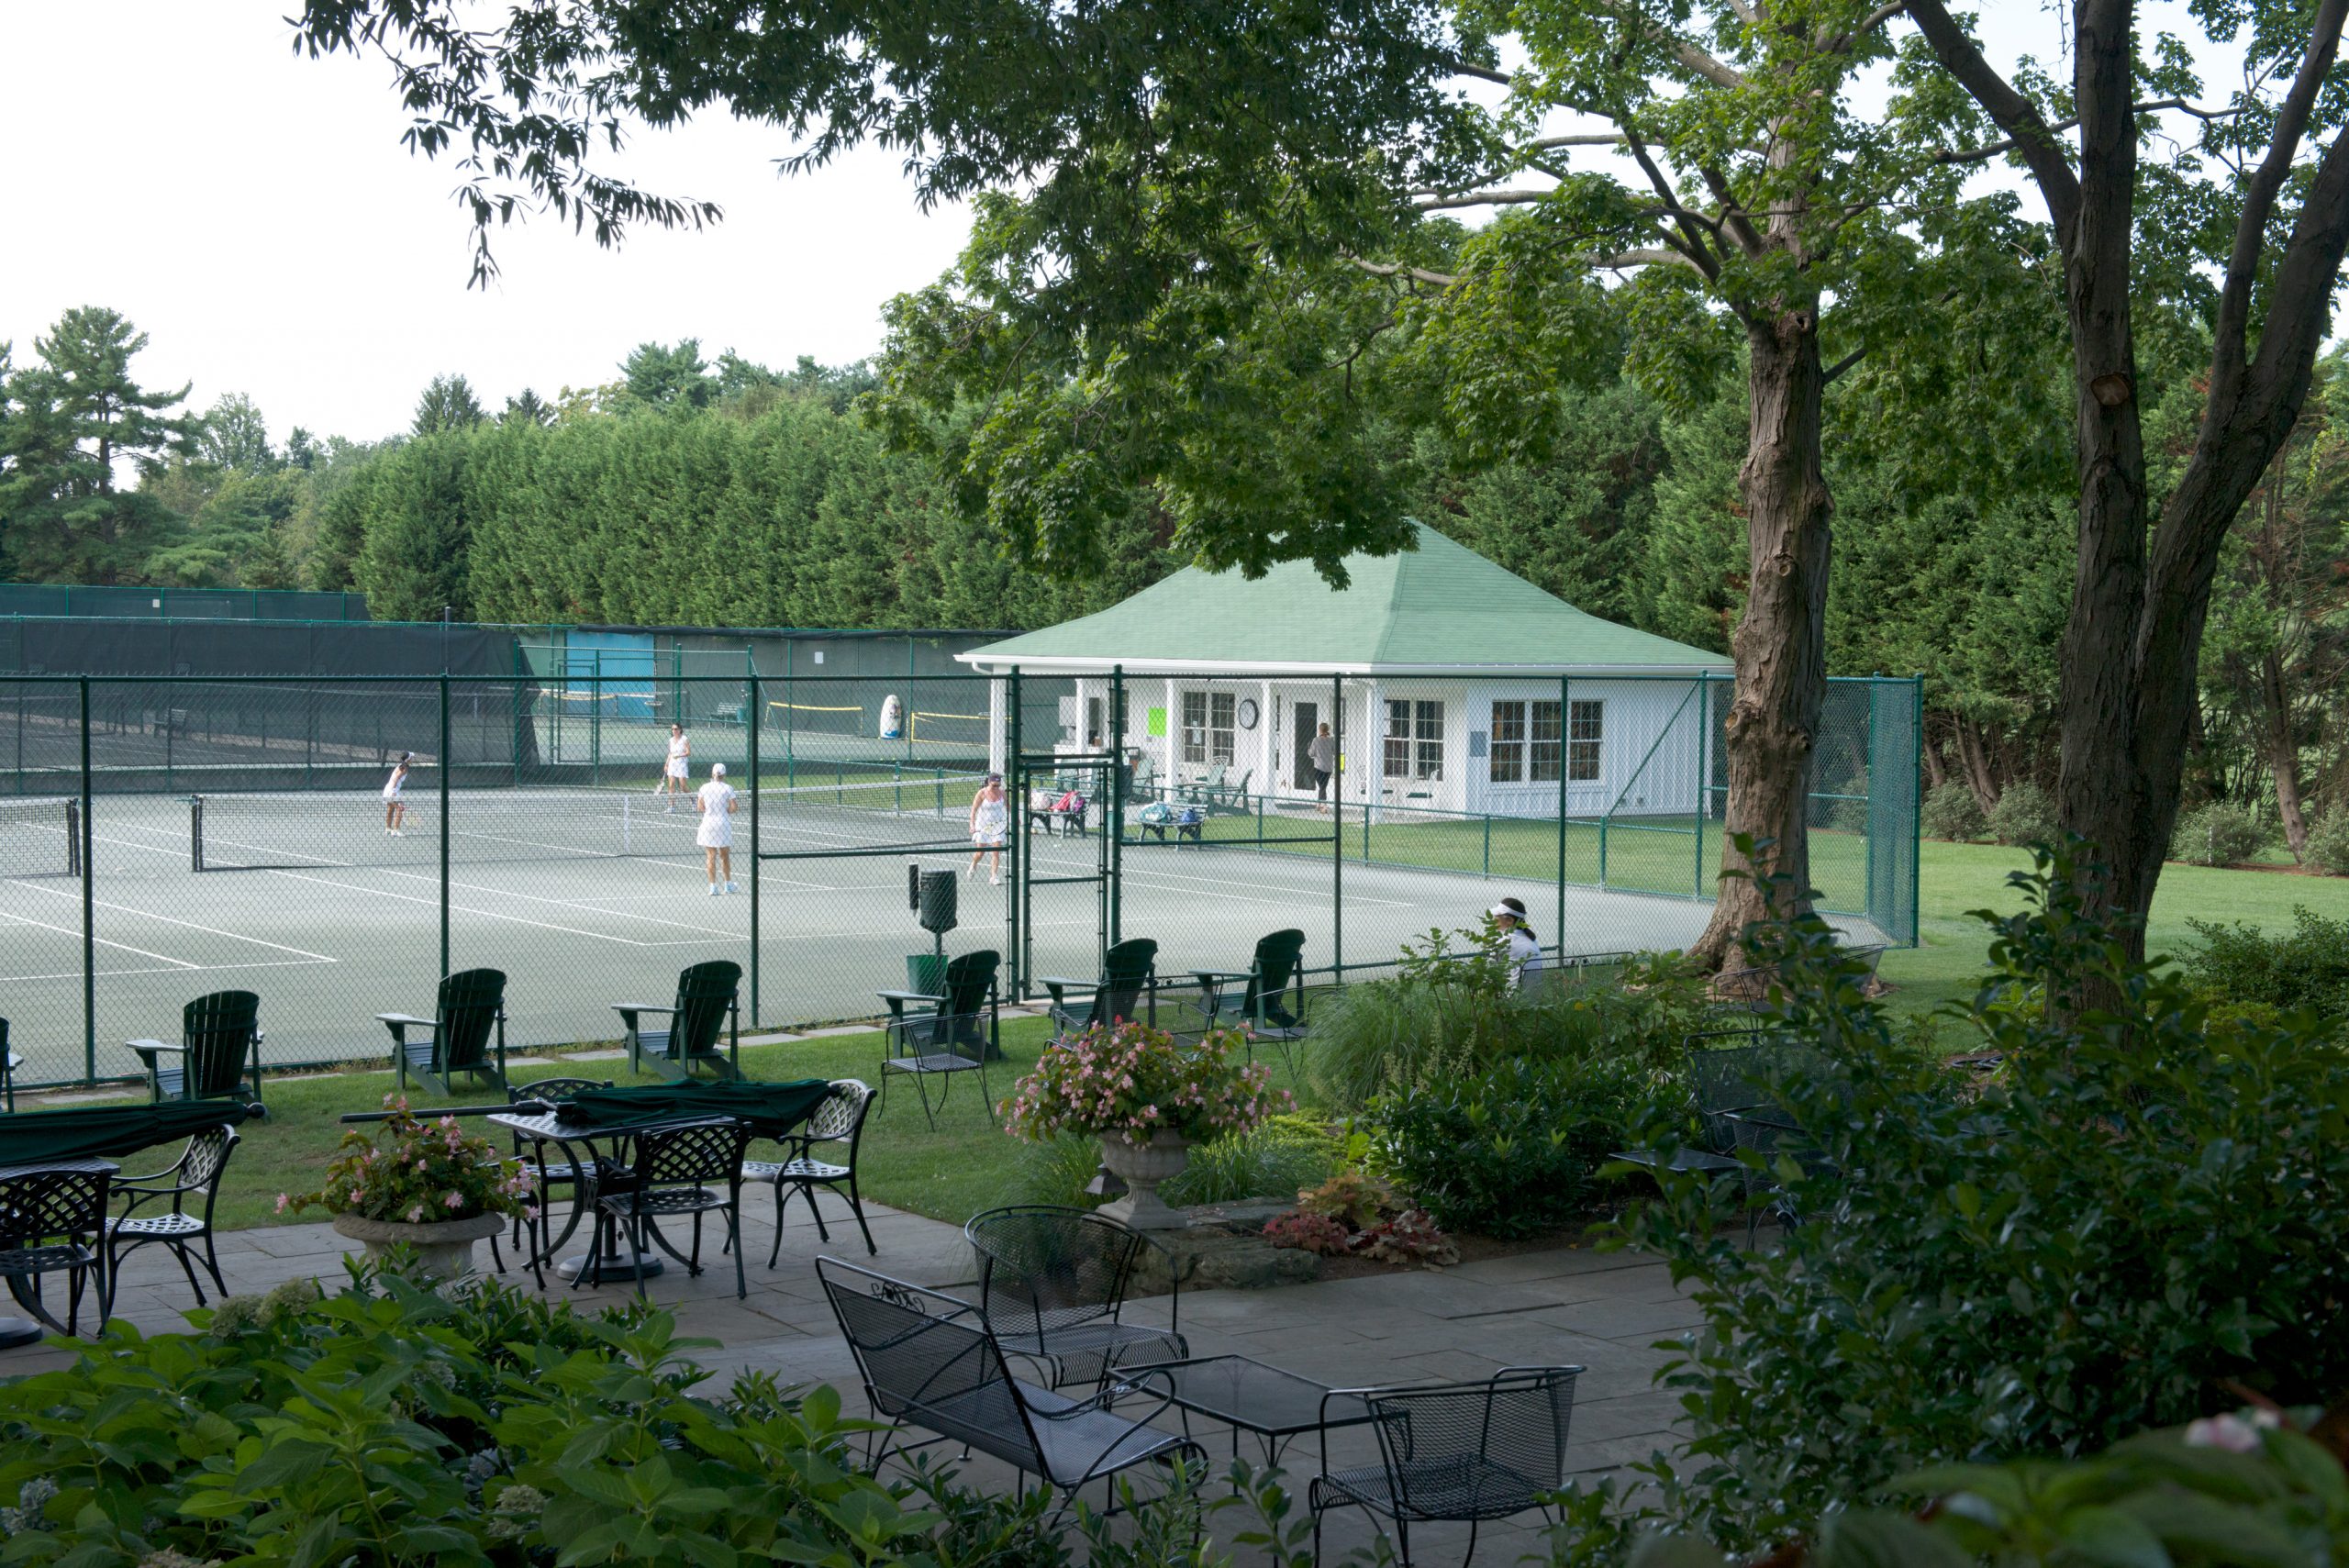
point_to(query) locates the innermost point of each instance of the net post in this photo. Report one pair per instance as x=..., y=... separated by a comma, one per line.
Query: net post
x=444, y=825
x=89, y=909
x=1016, y=845
x=752, y=708
x=594, y=726
x=1338, y=833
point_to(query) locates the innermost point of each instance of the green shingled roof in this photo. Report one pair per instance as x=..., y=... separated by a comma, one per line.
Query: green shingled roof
x=1441, y=607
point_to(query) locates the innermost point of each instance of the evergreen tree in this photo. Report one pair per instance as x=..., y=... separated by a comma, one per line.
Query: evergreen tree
x=447, y=403
x=526, y=407
x=668, y=377
x=302, y=449
x=236, y=436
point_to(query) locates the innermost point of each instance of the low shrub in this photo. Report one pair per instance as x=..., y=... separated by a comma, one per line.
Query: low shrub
x=1353, y=1198
x=1509, y=1152
x=1316, y=1233
x=2219, y=834
x=2328, y=843
x=2140, y=1211
x=2025, y=814
x=1951, y=812
x=1411, y=1237
x=1287, y=1152
x=2242, y=967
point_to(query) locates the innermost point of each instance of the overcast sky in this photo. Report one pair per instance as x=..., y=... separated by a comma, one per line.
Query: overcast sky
x=256, y=214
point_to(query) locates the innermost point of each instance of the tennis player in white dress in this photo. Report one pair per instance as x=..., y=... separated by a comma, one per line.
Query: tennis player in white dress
x=679, y=769
x=395, y=795
x=990, y=826
x=716, y=801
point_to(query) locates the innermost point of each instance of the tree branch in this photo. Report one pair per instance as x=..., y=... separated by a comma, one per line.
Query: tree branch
x=1848, y=361
x=1647, y=256
x=1398, y=269
x=1480, y=198
x=1732, y=215
x=1696, y=247
x=1595, y=139
x=1976, y=154
x=2008, y=109
x=1479, y=73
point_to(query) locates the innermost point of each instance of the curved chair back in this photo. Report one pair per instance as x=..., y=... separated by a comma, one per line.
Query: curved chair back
x=838, y=1118
x=1045, y=1268
x=970, y=993
x=1278, y=956
x=705, y=995
x=468, y=1009
x=1125, y=973
x=552, y=1089
x=219, y=1032
x=1474, y=1451
x=695, y=1153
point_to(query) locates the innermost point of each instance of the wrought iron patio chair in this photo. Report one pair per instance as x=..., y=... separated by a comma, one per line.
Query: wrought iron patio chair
x=1457, y=1453
x=1053, y=1283
x=544, y=1178
x=1733, y=1070
x=9, y=1062
x=53, y=1220
x=838, y=1125
x=191, y=1182
x=1129, y=981
x=1267, y=999
x=220, y=1044
x=469, y=1013
x=943, y=1035
x=1763, y=1135
x=932, y=1361
x=709, y=1001
x=672, y=1175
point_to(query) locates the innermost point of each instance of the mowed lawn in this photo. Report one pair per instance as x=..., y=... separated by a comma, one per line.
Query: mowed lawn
x=967, y=1164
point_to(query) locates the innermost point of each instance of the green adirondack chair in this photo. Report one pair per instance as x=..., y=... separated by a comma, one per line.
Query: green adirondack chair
x=1267, y=999
x=219, y=1045
x=469, y=1015
x=709, y=1000
x=9, y=1062
x=1129, y=981
x=957, y=1031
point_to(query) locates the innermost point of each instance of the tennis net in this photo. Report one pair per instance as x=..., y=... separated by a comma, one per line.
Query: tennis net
x=41, y=837
x=314, y=830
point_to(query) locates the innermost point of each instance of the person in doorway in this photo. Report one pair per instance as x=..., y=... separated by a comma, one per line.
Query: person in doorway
x=990, y=826
x=678, y=769
x=1321, y=752
x=396, y=795
x=1523, y=948
x=716, y=801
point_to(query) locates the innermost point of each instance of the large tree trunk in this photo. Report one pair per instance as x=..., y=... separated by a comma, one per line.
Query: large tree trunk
x=1780, y=645
x=1980, y=777
x=2283, y=749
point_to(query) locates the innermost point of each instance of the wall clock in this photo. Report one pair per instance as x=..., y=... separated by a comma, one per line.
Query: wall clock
x=1247, y=713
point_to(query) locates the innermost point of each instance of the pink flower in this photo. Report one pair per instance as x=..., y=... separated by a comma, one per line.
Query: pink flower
x=283, y=1199
x=415, y=1215
x=453, y=1201
x=357, y=1193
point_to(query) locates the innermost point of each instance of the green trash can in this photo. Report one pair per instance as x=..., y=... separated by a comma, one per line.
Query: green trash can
x=926, y=973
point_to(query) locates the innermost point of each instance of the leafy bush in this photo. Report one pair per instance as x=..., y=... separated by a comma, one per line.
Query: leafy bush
x=2219, y=834
x=2241, y=966
x=2328, y=845
x=1130, y=1081
x=1509, y=1152
x=2024, y=815
x=388, y=1425
x=1287, y=1152
x=1409, y=1237
x=417, y=1171
x=1353, y=1198
x=2139, y=1210
x=1316, y=1233
x=1951, y=812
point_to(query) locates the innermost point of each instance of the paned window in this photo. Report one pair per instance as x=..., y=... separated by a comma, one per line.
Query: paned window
x=1509, y=742
x=1525, y=742
x=1208, y=728
x=1414, y=740
x=1586, y=729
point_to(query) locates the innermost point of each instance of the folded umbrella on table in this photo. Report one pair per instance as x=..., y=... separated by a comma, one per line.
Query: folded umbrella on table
x=110, y=1132
x=772, y=1110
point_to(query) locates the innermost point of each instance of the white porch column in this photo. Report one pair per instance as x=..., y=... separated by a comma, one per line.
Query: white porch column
x=1266, y=778
x=1173, y=771
x=999, y=723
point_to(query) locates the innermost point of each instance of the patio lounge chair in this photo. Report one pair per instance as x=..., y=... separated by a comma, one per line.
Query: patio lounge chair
x=1053, y=1283
x=219, y=1045
x=1203, y=789
x=1267, y=999
x=1128, y=971
x=469, y=1013
x=932, y=1361
x=939, y=1036
x=1461, y=1452
x=1229, y=798
x=709, y=1000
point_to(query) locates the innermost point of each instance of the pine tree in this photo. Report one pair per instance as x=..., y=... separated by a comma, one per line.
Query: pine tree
x=447, y=403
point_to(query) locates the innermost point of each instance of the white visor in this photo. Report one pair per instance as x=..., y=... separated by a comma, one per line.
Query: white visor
x=718, y=770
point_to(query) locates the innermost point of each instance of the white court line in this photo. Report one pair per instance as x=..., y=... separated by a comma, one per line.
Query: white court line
x=191, y=925
x=177, y=968
x=486, y=914
x=74, y=931
x=566, y=903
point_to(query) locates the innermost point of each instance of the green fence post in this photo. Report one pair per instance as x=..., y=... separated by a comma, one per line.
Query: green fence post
x=446, y=768
x=751, y=721
x=1704, y=774
x=89, y=911
x=1115, y=826
x=1565, y=718
x=1867, y=815
x=1014, y=843
x=596, y=720
x=1338, y=834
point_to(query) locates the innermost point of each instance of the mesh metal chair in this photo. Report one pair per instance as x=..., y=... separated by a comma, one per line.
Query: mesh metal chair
x=1129, y=976
x=943, y=1035
x=53, y=1220
x=544, y=1178
x=220, y=1044
x=839, y=1126
x=1053, y=1283
x=193, y=1182
x=1763, y=1134
x=932, y=1361
x=469, y=1012
x=1732, y=1070
x=708, y=1002
x=1458, y=1453
x=673, y=1174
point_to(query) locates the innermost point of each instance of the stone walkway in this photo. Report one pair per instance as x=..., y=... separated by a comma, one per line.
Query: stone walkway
x=1600, y=1311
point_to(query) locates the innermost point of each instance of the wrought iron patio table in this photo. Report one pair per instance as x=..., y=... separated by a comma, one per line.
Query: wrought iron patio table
x=1247, y=1394
x=590, y=1170
x=14, y=1331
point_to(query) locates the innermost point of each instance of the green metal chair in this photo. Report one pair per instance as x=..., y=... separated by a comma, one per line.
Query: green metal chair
x=1129, y=979
x=9, y=1062
x=1267, y=999
x=470, y=1013
x=1229, y=798
x=708, y=1000
x=939, y=1036
x=219, y=1045
x=1206, y=786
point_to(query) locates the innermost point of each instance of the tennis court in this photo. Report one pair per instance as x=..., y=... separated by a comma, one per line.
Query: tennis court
x=589, y=897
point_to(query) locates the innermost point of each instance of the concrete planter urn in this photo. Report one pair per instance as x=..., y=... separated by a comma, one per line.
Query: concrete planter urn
x=444, y=1247
x=1143, y=1167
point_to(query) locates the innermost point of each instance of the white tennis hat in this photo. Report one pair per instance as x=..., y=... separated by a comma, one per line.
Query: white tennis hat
x=718, y=770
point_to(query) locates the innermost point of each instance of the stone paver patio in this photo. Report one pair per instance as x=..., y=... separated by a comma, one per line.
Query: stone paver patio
x=1602, y=1311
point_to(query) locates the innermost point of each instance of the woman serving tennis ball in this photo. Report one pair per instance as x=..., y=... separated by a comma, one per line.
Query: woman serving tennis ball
x=679, y=767
x=716, y=801
x=395, y=792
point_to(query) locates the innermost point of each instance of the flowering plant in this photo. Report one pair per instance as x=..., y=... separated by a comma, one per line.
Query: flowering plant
x=416, y=1173
x=1130, y=1081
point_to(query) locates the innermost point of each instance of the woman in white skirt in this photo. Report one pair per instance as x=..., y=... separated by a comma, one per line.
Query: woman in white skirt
x=395, y=794
x=678, y=769
x=716, y=801
x=990, y=827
